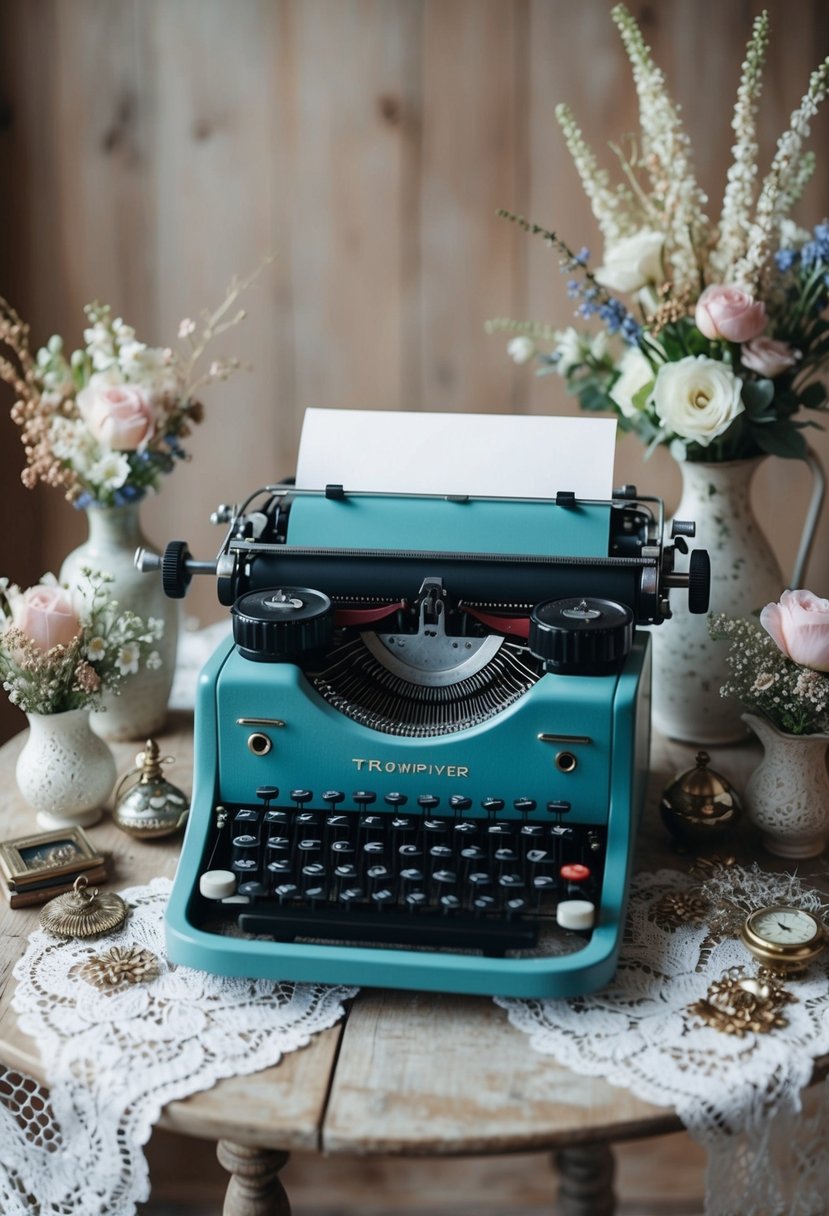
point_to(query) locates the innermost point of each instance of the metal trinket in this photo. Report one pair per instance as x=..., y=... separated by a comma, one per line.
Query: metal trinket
x=681, y=908
x=118, y=967
x=153, y=807
x=740, y=1004
x=699, y=806
x=82, y=912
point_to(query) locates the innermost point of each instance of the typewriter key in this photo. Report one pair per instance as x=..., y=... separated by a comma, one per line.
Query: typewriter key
x=492, y=806
x=217, y=884
x=267, y=793
x=415, y=900
x=460, y=803
x=351, y=896
x=300, y=797
x=251, y=890
x=394, y=799
x=333, y=798
x=364, y=798
x=524, y=806
x=383, y=898
x=576, y=914
x=449, y=903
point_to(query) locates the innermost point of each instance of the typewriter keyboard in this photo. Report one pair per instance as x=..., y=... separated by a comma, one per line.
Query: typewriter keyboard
x=454, y=876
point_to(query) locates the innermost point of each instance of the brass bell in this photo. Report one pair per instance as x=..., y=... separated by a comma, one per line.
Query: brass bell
x=699, y=806
x=152, y=806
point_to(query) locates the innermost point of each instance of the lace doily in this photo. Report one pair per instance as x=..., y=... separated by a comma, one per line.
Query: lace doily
x=738, y=1096
x=121, y=1033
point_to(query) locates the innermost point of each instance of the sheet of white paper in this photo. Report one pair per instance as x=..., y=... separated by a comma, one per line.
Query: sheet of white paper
x=509, y=456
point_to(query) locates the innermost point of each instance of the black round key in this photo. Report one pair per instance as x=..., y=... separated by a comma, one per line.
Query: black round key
x=286, y=892
x=510, y=881
x=338, y=823
x=524, y=806
x=395, y=799
x=310, y=845
x=440, y=852
x=515, y=906
x=428, y=802
x=374, y=848
x=415, y=900
x=378, y=873
x=483, y=903
x=435, y=827
x=460, y=803
x=364, y=798
x=252, y=889
x=279, y=868
x=446, y=878
x=558, y=808
x=466, y=828
x=382, y=898
x=277, y=846
x=473, y=852
x=267, y=793
x=408, y=851
x=333, y=797
x=531, y=831
x=314, y=869
x=308, y=819
x=506, y=856
x=411, y=877
x=276, y=822
x=347, y=871
x=373, y=825
x=300, y=797
x=351, y=895
x=450, y=903
x=479, y=879
x=315, y=896
x=492, y=806
x=499, y=829
x=342, y=848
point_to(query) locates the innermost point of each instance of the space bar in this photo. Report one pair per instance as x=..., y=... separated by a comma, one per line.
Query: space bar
x=456, y=931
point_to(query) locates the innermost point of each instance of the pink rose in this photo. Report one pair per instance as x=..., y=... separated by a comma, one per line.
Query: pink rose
x=120, y=416
x=45, y=614
x=799, y=625
x=729, y=313
x=768, y=357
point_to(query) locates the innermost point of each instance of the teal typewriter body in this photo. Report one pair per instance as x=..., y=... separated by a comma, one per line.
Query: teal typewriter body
x=421, y=760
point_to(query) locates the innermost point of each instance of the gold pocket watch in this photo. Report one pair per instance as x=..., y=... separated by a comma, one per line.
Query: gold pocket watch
x=784, y=939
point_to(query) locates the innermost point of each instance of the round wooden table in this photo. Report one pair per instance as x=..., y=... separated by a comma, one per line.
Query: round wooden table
x=406, y=1073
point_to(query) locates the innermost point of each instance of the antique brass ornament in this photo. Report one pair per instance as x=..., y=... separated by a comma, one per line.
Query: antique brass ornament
x=741, y=1004
x=784, y=939
x=82, y=912
x=699, y=806
x=118, y=967
x=153, y=806
x=681, y=908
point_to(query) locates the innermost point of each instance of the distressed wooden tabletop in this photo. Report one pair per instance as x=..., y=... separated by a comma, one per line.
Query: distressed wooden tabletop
x=406, y=1073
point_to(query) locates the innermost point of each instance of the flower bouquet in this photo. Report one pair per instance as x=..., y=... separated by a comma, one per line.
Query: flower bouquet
x=57, y=659
x=779, y=670
x=107, y=422
x=714, y=334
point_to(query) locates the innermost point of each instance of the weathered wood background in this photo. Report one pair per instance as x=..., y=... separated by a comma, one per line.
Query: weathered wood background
x=150, y=149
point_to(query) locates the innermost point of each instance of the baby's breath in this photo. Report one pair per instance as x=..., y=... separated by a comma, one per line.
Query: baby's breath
x=110, y=646
x=794, y=698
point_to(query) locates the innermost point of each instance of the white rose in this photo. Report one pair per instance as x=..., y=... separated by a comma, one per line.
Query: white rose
x=697, y=398
x=635, y=373
x=521, y=349
x=568, y=350
x=632, y=262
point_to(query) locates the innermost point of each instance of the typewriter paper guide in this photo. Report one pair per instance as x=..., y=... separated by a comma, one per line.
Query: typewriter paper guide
x=482, y=455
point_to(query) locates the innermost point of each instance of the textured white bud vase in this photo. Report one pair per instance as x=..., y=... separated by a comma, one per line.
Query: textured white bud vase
x=787, y=795
x=115, y=533
x=64, y=770
x=689, y=668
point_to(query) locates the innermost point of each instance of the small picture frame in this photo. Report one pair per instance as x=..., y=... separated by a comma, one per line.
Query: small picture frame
x=42, y=859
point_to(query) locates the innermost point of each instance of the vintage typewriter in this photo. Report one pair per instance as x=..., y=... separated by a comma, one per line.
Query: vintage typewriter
x=421, y=758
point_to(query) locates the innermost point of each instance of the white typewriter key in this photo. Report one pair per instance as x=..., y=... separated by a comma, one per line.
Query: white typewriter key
x=578, y=914
x=217, y=884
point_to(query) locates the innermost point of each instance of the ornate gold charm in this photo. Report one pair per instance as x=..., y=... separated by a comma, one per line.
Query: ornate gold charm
x=739, y=1004
x=83, y=913
x=117, y=967
x=682, y=908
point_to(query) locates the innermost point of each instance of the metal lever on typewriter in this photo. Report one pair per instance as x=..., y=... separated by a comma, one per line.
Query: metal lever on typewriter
x=697, y=578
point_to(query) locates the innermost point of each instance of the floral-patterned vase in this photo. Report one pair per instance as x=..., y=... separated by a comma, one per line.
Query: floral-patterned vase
x=787, y=795
x=64, y=770
x=688, y=666
x=140, y=709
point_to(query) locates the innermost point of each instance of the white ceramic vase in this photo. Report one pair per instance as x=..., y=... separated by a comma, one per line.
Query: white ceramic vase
x=64, y=770
x=115, y=533
x=689, y=668
x=787, y=795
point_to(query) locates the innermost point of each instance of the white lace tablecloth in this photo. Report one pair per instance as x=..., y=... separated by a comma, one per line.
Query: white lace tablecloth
x=740, y=1097
x=114, y=1058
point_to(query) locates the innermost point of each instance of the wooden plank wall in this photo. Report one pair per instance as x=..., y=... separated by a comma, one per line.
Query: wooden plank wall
x=152, y=148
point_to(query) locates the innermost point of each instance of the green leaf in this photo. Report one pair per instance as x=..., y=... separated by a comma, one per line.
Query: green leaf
x=757, y=397
x=640, y=397
x=780, y=439
x=813, y=396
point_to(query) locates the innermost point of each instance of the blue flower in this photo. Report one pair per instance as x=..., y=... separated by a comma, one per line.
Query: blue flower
x=573, y=288
x=582, y=257
x=83, y=501
x=785, y=259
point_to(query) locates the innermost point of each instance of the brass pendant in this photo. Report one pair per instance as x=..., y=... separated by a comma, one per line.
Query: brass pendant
x=82, y=912
x=699, y=806
x=118, y=967
x=152, y=806
x=740, y=1004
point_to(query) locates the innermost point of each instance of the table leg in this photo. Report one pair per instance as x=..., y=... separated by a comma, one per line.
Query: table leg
x=254, y=1188
x=585, y=1180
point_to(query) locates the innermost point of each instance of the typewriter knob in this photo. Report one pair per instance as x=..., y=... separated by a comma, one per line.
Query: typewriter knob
x=281, y=623
x=699, y=581
x=581, y=636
